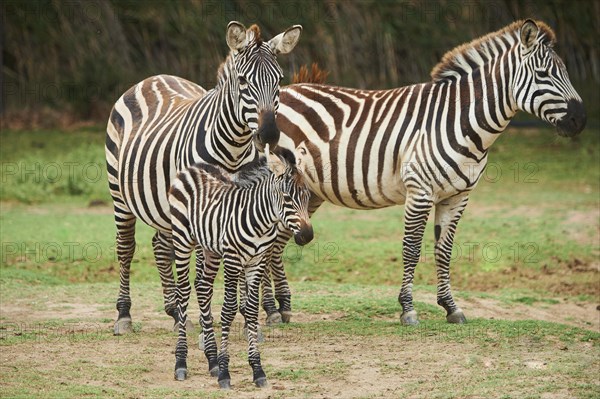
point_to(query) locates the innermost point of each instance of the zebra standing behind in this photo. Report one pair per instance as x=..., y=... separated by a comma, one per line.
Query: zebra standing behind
x=424, y=145
x=165, y=124
x=233, y=217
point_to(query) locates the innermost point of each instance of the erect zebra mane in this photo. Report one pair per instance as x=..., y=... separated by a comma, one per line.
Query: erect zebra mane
x=316, y=74
x=255, y=31
x=453, y=60
x=251, y=173
x=256, y=171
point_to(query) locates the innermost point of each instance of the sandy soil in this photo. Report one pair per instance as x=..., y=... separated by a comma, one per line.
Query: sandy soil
x=326, y=366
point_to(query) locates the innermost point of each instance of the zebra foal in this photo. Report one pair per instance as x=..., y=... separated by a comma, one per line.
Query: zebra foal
x=233, y=217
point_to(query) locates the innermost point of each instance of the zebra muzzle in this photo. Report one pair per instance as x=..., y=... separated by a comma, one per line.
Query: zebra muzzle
x=304, y=235
x=267, y=132
x=574, y=121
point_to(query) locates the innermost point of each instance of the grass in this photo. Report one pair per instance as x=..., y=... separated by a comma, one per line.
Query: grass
x=529, y=239
x=534, y=213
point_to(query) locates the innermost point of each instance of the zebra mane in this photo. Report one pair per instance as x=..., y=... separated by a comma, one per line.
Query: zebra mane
x=251, y=174
x=255, y=31
x=256, y=171
x=316, y=74
x=454, y=60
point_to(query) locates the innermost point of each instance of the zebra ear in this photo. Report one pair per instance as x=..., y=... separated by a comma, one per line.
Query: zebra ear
x=236, y=36
x=276, y=165
x=285, y=42
x=529, y=33
x=300, y=153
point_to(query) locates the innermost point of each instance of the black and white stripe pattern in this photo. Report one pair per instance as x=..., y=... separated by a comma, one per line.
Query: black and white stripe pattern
x=233, y=217
x=423, y=145
x=164, y=124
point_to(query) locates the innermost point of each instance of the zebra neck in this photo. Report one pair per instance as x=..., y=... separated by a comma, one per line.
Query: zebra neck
x=228, y=142
x=263, y=209
x=487, y=101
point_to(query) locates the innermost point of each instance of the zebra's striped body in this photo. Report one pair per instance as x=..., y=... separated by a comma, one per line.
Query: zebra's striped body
x=234, y=218
x=165, y=123
x=424, y=145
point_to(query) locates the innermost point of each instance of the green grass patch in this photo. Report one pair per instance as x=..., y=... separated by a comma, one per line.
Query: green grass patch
x=49, y=166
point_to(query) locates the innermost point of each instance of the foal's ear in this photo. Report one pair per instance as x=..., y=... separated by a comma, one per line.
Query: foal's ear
x=529, y=33
x=300, y=153
x=276, y=165
x=236, y=36
x=285, y=42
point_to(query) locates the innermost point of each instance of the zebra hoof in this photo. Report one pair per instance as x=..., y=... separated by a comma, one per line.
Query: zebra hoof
x=456, y=317
x=409, y=318
x=261, y=382
x=181, y=374
x=225, y=384
x=123, y=326
x=214, y=372
x=286, y=315
x=188, y=326
x=274, y=318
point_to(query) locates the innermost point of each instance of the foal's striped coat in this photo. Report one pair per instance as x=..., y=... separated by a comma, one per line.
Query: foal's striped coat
x=233, y=217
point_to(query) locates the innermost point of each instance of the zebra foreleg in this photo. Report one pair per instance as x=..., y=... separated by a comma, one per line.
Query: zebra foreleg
x=125, y=222
x=205, y=279
x=162, y=245
x=232, y=269
x=182, y=261
x=447, y=215
x=253, y=279
x=283, y=294
x=268, y=300
x=275, y=269
x=415, y=218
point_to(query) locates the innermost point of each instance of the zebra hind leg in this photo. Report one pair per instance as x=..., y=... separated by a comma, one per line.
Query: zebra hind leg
x=125, y=222
x=447, y=215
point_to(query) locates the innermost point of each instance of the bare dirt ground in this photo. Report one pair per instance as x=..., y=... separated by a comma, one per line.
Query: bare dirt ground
x=303, y=363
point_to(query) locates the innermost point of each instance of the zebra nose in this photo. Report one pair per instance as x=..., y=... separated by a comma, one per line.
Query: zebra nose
x=268, y=132
x=574, y=121
x=304, y=236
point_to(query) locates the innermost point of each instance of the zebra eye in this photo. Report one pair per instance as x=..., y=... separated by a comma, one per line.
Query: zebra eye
x=542, y=74
x=242, y=80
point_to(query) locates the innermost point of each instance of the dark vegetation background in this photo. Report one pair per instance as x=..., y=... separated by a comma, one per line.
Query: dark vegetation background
x=68, y=61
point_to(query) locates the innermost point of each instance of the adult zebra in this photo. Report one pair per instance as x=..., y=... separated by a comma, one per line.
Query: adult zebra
x=165, y=123
x=423, y=145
